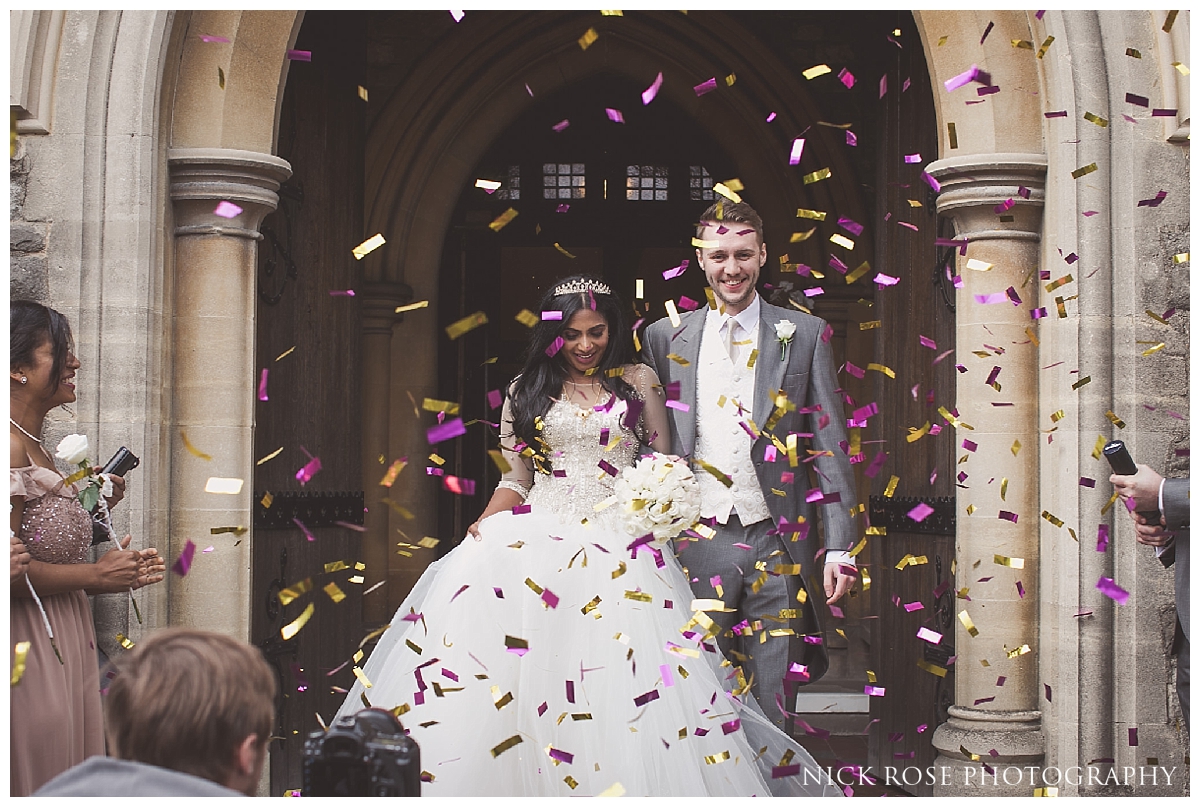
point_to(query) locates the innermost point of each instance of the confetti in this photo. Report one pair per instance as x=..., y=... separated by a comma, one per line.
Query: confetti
x=366, y=247
x=466, y=324
x=502, y=220
x=217, y=484
x=705, y=87
x=227, y=210
x=1110, y=589
x=308, y=470
x=1084, y=171
x=650, y=92
x=614, y=115
x=817, y=176
x=445, y=431
x=965, y=619
x=191, y=448
x=794, y=157
x=300, y=55
x=920, y=512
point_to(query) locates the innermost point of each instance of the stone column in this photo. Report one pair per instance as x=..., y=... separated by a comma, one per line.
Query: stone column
x=378, y=300
x=213, y=381
x=985, y=716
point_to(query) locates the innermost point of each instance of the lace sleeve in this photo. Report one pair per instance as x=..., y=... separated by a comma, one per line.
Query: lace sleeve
x=655, y=427
x=519, y=476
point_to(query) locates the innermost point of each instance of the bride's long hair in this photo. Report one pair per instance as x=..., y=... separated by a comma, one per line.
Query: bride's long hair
x=541, y=380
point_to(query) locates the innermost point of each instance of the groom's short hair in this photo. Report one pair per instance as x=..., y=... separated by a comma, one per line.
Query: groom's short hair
x=726, y=212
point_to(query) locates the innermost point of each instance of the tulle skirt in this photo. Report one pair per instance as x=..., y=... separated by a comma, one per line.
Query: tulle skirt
x=547, y=659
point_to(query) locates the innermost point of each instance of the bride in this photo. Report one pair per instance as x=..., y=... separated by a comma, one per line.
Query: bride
x=544, y=657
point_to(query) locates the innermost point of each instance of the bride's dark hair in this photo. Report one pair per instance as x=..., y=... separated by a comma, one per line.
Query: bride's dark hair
x=541, y=380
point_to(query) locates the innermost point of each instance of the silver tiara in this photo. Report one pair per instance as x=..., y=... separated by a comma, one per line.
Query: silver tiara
x=582, y=286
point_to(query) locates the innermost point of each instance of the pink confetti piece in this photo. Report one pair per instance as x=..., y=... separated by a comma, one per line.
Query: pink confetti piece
x=927, y=342
x=688, y=304
x=1037, y=313
x=551, y=315
x=227, y=210
x=1048, y=692
x=731, y=726
x=989, y=90
x=851, y=138
x=914, y=606
x=262, y=386
x=455, y=484
x=992, y=299
x=680, y=405
x=561, y=756
x=341, y=293
x=883, y=85
x=1164, y=113
x=1155, y=202
x=614, y=115
x=933, y=183
x=746, y=547
x=836, y=611
x=1004, y=206
x=771, y=117
x=675, y=272
x=1059, y=114
x=307, y=533
x=933, y=637
x=1007, y=516
x=309, y=470
x=979, y=701
x=1087, y=482
x=494, y=399
x=300, y=55
x=876, y=464
x=705, y=87
x=850, y=225
x=797, y=672
x=521, y=509
x=446, y=431
x=1137, y=100
x=827, y=334
x=207, y=38
x=886, y=280
x=782, y=771
x=650, y=92
x=642, y=700
x=184, y=562
x=814, y=291
x=966, y=77
x=209, y=549
x=561, y=125
x=1110, y=589
x=920, y=512
x=1020, y=590
x=847, y=78
x=797, y=151
x=877, y=692
x=912, y=158
x=555, y=346
x=1133, y=737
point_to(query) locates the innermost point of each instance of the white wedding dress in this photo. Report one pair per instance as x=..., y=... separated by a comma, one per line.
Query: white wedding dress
x=546, y=659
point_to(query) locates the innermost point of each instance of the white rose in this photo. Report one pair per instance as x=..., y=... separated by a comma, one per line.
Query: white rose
x=73, y=449
x=785, y=330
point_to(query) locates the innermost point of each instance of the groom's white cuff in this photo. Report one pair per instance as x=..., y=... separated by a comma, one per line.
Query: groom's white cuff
x=843, y=558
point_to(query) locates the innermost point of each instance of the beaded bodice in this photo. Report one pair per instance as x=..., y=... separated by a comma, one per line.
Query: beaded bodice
x=589, y=447
x=54, y=526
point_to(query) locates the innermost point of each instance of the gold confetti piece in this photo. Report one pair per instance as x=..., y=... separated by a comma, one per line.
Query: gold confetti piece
x=862, y=269
x=841, y=241
x=527, y=318
x=639, y=596
x=498, y=458
x=968, y=754
x=1081, y=382
x=1182, y=257
x=1096, y=119
x=1022, y=43
x=412, y=306
x=266, y=500
x=726, y=191
x=335, y=593
x=1101, y=440
x=1154, y=349
x=942, y=40
x=1020, y=651
x=335, y=566
x=503, y=219
x=720, y=475
x=753, y=358
x=433, y=405
x=223, y=530
x=1156, y=317
x=559, y=247
x=970, y=509
x=859, y=547
x=1181, y=67
x=124, y=641
x=1045, y=46
x=1170, y=21
x=1116, y=421
x=290, y=593
x=217, y=484
x=805, y=213
x=20, y=652
x=571, y=783
x=890, y=490
x=1012, y=563
x=882, y=368
x=366, y=247
x=672, y=313
x=680, y=360
x=1045, y=792
x=699, y=244
x=581, y=715
x=716, y=759
x=511, y=742
x=192, y=449
x=817, y=176
x=978, y=265
x=867, y=326
x=804, y=236
x=952, y=133
x=390, y=477
x=361, y=676
x=1032, y=336
x=499, y=700
x=965, y=619
x=816, y=70
x=1003, y=488
x=940, y=672
x=292, y=628
x=1016, y=447
x=1046, y=514
x=613, y=791
x=269, y=457
x=1079, y=172
x=952, y=420
x=466, y=324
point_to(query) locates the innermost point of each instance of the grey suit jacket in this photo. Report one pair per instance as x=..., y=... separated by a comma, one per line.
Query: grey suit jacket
x=808, y=377
x=1177, y=508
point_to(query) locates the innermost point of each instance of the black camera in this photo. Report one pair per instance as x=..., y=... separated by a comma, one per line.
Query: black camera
x=366, y=754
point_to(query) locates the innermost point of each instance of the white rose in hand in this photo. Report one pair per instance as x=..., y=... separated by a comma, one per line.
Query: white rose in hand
x=73, y=449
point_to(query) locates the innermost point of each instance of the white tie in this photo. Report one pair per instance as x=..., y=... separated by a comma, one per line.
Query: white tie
x=731, y=333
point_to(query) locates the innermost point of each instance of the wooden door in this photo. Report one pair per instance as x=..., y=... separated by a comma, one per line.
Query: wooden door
x=309, y=347
x=916, y=312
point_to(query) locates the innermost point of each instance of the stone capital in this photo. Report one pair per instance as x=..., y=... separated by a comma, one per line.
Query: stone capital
x=973, y=185
x=378, y=300
x=202, y=178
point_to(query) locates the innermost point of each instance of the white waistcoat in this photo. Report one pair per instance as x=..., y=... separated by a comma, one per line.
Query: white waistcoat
x=720, y=439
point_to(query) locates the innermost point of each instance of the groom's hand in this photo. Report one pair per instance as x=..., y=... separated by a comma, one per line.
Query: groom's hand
x=837, y=582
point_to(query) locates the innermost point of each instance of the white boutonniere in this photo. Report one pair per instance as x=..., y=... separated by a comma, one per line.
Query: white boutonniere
x=784, y=331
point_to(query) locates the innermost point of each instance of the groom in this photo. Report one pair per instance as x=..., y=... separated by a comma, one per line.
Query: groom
x=732, y=366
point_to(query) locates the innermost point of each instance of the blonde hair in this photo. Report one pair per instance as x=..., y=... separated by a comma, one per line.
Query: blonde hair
x=186, y=699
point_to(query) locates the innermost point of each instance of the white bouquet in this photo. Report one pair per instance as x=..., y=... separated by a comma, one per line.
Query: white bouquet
x=658, y=495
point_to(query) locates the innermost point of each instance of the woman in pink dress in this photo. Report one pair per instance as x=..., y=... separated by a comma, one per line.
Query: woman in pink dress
x=55, y=720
